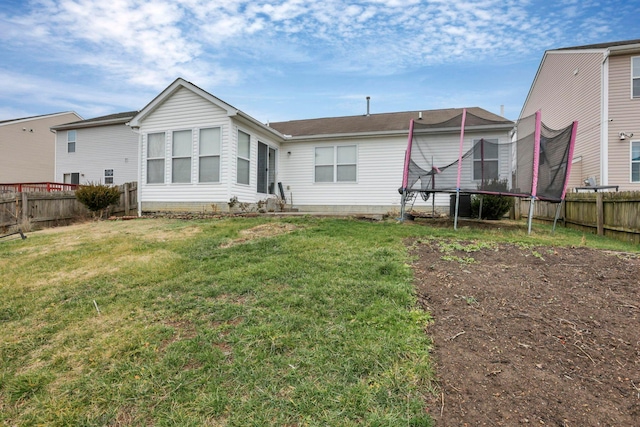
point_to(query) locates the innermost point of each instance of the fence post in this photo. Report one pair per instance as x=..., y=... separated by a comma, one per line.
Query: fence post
x=24, y=217
x=600, y=213
x=126, y=199
x=516, y=209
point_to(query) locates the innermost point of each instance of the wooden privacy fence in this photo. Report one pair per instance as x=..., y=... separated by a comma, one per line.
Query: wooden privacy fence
x=611, y=214
x=41, y=209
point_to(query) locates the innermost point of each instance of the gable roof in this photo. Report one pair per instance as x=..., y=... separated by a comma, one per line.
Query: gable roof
x=607, y=45
x=181, y=83
x=111, y=119
x=43, y=116
x=608, y=48
x=389, y=123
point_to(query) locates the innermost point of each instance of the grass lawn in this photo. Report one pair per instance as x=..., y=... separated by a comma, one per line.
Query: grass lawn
x=230, y=322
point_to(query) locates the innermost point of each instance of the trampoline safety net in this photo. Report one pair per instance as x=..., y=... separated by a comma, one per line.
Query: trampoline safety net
x=535, y=163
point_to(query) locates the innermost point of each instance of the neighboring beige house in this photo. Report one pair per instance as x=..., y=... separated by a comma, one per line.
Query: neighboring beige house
x=27, y=147
x=599, y=86
x=100, y=150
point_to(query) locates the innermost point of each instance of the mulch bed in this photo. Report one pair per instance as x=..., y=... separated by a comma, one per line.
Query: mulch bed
x=532, y=336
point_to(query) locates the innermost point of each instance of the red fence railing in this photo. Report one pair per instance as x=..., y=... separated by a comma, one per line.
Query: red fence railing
x=29, y=187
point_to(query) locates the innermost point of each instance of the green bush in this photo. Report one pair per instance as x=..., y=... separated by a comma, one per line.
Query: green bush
x=493, y=207
x=98, y=197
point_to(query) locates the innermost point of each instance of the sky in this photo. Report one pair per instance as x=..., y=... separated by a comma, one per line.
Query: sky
x=280, y=60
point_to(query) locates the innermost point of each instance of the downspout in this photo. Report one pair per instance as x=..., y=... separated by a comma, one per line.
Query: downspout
x=139, y=167
x=604, y=120
x=55, y=156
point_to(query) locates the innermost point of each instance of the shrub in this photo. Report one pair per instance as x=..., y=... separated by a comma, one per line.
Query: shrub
x=98, y=197
x=493, y=207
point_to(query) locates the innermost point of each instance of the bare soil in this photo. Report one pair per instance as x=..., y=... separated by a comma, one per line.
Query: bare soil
x=532, y=335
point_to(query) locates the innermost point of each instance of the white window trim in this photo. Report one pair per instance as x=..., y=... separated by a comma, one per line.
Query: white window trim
x=336, y=164
x=108, y=176
x=200, y=156
x=473, y=163
x=190, y=157
x=634, y=78
x=632, y=162
x=75, y=139
x=163, y=158
x=239, y=157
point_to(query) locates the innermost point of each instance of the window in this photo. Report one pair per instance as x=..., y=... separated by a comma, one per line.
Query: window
x=635, y=77
x=485, y=159
x=244, y=158
x=71, y=178
x=155, y=158
x=209, y=165
x=181, y=156
x=336, y=164
x=635, y=161
x=108, y=176
x=71, y=141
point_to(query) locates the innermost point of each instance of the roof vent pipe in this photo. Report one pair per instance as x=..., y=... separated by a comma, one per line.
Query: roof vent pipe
x=420, y=115
x=368, y=100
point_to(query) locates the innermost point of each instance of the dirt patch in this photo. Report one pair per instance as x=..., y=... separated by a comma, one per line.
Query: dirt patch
x=532, y=335
x=153, y=230
x=260, y=231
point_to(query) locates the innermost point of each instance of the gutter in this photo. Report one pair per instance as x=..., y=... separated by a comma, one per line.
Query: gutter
x=604, y=119
x=81, y=125
x=253, y=121
x=400, y=132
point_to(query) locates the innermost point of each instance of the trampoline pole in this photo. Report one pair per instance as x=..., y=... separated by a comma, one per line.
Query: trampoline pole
x=433, y=205
x=555, y=220
x=403, y=199
x=433, y=186
x=480, y=210
x=455, y=220
x=530, y=214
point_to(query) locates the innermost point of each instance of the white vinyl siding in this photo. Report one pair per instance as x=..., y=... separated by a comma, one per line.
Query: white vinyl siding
x=155, y=158
x=244, y=158
x=625, y=112
x=380, y=162
x=568, y=87
x=71, y=141
x=336, y=163
x=181, y=149
x=214, y=153
x=98, y=149
x=635, y=77
x=209, y=161
x=635, y=161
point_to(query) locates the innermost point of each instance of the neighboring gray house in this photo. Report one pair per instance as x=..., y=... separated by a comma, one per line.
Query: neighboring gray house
x=197, y=153
x=27, y=147
x=99, y=150
x=599, y=86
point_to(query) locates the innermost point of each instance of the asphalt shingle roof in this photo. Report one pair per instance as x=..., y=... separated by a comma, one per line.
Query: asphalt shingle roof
x=387, y=122
x=602, y=45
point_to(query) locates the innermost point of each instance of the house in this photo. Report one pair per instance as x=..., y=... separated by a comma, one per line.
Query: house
x=99, y=150
x=28, y=147
x=356, y=163
x=599, y=86
x=198, y=153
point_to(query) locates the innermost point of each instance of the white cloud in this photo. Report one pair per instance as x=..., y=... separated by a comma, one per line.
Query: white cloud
x=149, y=43
x=54, y=95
